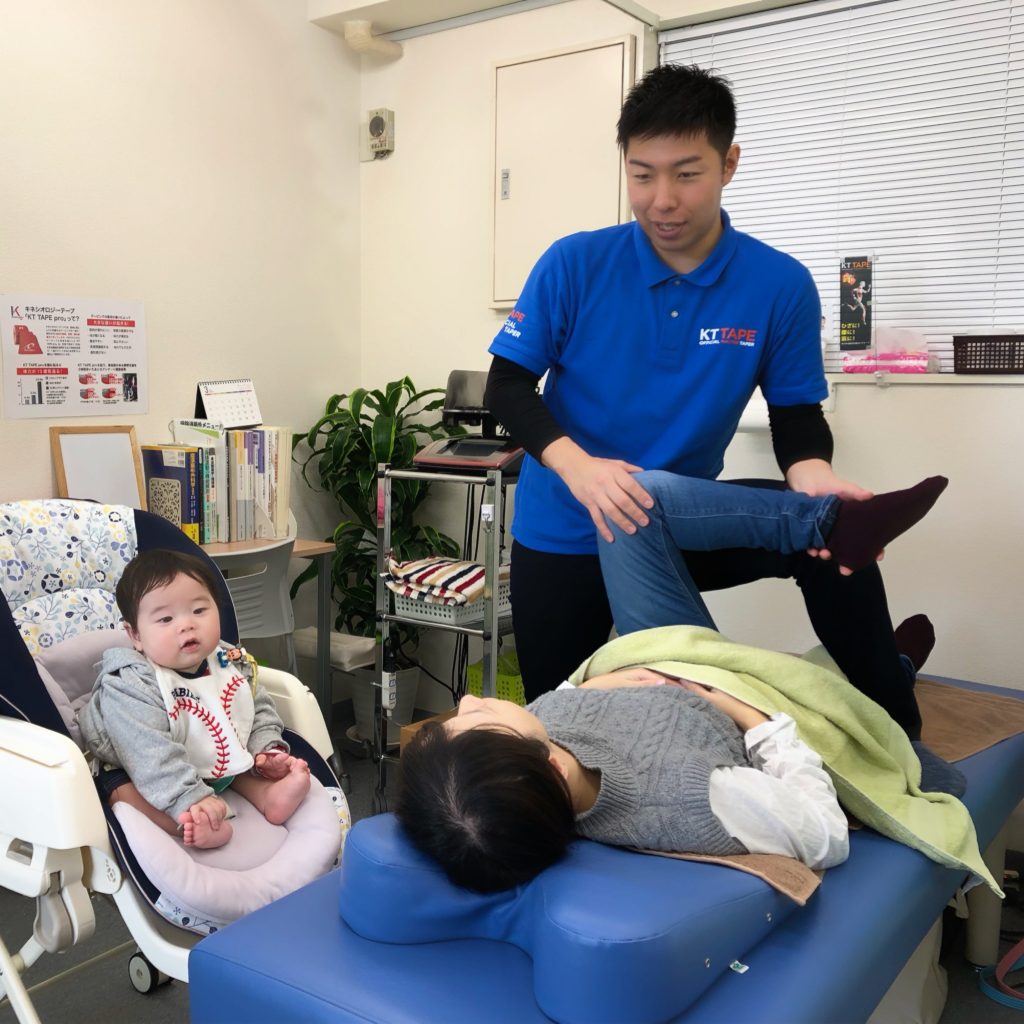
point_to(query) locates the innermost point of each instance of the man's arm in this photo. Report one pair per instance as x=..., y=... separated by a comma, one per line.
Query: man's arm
x=605, y=487
x=803, y=447
x=511, y=396
x=799, y=432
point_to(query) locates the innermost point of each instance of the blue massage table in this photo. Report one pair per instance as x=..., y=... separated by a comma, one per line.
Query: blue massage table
x=831, y=960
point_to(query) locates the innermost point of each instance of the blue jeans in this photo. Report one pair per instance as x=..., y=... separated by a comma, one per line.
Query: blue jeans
x=562, y=615
x=646, y=576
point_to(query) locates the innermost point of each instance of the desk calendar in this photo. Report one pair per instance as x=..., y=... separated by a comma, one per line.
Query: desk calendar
x=231, y=403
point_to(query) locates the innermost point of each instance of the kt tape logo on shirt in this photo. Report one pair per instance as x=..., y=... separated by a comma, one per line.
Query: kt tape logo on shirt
x=744, y=336
x=511, y=326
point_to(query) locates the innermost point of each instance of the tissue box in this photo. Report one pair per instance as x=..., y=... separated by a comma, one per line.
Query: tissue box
x=886, y=362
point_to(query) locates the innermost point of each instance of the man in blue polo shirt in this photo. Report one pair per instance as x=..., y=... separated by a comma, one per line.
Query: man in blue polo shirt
x=654, y=335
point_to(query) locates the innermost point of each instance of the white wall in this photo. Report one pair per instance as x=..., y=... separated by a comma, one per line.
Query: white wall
x=427, y=209
x=199, y=156
x=962, y=565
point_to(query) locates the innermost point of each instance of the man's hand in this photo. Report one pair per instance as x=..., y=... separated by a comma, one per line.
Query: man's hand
x=816, y=478
x=623, y=679
x=604, y=487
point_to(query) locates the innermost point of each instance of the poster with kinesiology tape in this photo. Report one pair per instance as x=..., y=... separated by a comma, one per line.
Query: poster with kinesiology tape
x=72, y=357
x=856, y=326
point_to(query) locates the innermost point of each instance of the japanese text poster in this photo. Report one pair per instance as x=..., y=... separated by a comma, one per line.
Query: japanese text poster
x=72, y=357
x=855, y=324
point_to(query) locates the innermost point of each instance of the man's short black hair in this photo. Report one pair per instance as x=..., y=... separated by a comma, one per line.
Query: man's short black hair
x=151, y=569
x=486, y=804
x=680, y=99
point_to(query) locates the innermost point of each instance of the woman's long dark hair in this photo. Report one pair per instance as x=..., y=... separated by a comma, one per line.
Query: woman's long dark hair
x=486, y=804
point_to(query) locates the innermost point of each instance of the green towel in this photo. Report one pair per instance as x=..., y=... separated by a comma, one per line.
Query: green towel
x=874, y=768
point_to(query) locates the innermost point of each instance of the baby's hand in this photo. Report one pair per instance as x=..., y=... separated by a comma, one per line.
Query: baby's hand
x=211, y=810
x=273, y=764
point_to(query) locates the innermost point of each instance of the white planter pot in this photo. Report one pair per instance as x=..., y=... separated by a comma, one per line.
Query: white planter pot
x=363, y=697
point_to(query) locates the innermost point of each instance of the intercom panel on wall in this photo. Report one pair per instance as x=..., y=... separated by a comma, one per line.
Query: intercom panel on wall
x=377, y=134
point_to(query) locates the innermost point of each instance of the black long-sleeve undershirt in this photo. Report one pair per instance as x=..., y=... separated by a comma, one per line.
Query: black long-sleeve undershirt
x=798, y=432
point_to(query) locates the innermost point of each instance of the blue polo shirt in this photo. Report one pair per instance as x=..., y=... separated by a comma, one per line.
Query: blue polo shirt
x=651, y=366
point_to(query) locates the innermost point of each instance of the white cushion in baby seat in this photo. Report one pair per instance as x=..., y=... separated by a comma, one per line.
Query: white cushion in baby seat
x=203, y=890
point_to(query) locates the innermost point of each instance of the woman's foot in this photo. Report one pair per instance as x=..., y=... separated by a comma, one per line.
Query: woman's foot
x=201, y=834
x=915, y=638
x=863, y=528
x=937, y=775
x=284, y=795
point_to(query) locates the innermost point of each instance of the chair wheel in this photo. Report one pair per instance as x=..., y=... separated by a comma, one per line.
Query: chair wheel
x=145, y=978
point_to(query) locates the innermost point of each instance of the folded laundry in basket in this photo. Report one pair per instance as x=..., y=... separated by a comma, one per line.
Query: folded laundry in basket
x=438, y=580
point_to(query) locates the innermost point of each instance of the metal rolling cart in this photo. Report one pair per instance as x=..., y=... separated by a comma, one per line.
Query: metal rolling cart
x=488, y=630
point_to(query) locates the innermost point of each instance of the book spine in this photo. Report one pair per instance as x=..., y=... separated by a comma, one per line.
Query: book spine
x=201, y=484
x=262, y=526
x=209, y=496
x=223, y=491
x=192, y=513
x=250, y=486
x=284, y=479
x=273, y=437
x=235, y=489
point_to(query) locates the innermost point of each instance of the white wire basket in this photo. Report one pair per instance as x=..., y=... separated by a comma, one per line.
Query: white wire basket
x=453, y=614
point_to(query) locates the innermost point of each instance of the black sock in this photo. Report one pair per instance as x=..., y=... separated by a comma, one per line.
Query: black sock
x=915, y=637
x=863, y=528
x=938, y=776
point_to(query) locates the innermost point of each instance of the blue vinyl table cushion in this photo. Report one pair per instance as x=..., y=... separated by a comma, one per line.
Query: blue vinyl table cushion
x=832, y=960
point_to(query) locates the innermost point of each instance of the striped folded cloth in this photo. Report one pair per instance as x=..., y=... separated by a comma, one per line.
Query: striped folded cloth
x=438, y=580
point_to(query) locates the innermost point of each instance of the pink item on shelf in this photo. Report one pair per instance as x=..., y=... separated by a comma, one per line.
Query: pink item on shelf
x=886, y=362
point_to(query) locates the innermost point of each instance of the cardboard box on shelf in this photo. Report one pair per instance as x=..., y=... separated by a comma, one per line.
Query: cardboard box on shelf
x=408, y=731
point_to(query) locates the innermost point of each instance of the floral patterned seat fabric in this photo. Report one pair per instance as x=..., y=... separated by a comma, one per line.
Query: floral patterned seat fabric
x=59, y=563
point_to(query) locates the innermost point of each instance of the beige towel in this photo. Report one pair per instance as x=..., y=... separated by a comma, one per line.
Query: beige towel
x=958, y=723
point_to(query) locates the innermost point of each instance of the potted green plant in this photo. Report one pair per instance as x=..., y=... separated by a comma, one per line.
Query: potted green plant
x=358, y=431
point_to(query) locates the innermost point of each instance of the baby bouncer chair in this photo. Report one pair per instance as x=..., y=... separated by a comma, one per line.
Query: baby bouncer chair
x=59, y=563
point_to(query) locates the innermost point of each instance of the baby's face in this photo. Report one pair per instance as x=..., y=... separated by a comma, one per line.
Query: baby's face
x=178, y=625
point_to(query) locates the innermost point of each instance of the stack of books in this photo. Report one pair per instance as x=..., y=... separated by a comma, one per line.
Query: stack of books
x=221, y=485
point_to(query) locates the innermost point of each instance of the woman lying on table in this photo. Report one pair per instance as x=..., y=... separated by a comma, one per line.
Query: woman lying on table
x=630, y=758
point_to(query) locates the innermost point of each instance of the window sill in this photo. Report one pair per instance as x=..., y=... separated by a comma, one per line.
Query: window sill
x=885, y=379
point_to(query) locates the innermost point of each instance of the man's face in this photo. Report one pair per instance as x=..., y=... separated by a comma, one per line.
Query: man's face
x=675, y=187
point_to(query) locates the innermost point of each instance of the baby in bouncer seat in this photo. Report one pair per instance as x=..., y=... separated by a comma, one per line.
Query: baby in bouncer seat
x=178, y=719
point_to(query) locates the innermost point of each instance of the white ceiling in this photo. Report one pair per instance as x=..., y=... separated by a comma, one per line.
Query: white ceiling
x=397, y=15
x=394, y=15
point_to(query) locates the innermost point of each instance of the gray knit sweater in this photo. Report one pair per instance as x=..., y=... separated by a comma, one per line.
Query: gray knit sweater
x=655, y=748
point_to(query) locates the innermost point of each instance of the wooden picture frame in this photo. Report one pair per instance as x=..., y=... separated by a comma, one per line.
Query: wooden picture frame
x=99, y=463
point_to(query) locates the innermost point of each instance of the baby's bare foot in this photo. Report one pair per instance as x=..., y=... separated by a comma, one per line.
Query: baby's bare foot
x=286, y=794
x=201, y=834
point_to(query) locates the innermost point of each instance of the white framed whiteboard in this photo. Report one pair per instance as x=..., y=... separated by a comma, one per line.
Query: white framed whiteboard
x=98, y=463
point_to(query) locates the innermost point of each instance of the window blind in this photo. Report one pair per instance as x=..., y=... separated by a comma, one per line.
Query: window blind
x=893, y=128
